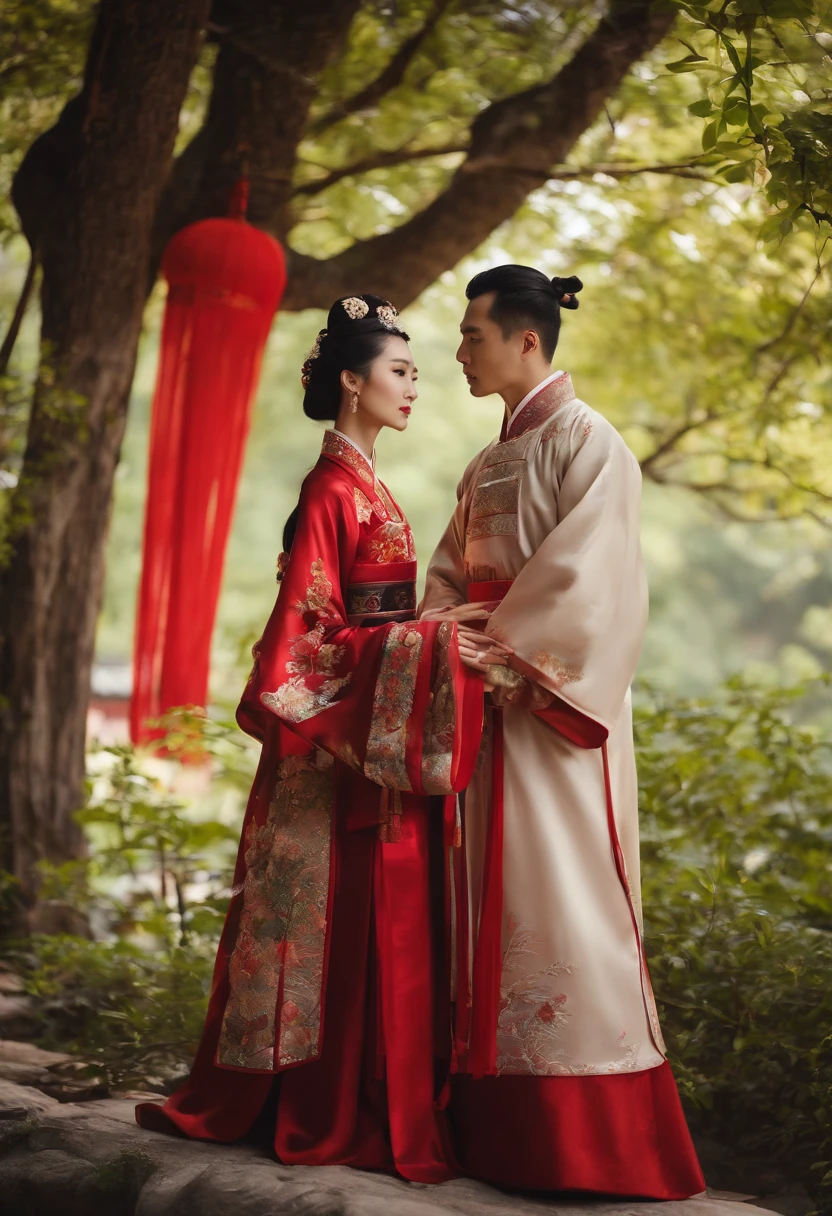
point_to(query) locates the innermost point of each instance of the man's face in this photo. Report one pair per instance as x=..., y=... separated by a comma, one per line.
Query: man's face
x=490, y=361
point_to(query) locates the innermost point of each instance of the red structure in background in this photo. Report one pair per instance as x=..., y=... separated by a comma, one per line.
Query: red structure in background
x=226, y=279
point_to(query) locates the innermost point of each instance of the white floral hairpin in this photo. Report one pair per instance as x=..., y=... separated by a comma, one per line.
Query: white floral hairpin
x=355, y=308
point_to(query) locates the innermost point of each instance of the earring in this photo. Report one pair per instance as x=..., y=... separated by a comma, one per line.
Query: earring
x=354, y=404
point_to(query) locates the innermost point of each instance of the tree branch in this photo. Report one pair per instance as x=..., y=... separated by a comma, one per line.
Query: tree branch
x=19, y=312
x=388, y=79
x=265, y=80
x=381, y=160
x=670, y=441
x=794, y=315
x=563, y=173
x=514, y=142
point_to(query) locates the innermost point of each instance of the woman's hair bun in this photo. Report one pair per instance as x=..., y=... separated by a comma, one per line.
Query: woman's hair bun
x=351, y=319
x=566, y=290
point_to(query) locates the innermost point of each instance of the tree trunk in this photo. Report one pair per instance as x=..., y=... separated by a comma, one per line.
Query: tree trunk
x=87, y=194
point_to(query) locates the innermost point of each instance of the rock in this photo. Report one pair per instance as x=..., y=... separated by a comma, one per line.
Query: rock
x=61, y=1076
x=23, y=1074
x=14, y=1052
x=17, y=1016
x=31, y=1101
x=94, y=1158
x=792, y=1201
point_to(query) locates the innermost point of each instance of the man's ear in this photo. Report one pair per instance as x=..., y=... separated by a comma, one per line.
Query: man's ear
x=531, y=342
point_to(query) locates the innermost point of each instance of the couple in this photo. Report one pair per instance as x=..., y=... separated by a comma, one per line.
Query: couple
x=409, y=980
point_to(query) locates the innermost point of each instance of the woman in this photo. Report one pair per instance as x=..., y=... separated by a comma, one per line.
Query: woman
x=328, y=972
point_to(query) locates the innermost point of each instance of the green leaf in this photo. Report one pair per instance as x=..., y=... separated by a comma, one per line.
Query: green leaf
x=732, y=53
x=709, y=136
x=689, y=64
x=739, y=172
x=701, y=109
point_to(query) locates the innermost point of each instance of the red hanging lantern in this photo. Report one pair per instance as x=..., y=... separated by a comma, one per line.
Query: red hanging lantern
x=225, y=282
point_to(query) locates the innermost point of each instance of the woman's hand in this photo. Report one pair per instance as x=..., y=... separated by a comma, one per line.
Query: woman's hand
x=476, y=649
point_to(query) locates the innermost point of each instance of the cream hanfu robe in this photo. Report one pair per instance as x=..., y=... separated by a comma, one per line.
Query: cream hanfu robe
x=562, y=1080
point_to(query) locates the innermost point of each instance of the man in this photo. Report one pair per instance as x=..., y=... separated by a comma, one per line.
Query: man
x=562, y=1081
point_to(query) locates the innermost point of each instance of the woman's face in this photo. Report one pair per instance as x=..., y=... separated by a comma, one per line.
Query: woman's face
x=387, y=394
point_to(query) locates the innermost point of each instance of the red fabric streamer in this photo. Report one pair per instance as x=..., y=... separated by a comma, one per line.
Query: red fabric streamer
x=226, y=280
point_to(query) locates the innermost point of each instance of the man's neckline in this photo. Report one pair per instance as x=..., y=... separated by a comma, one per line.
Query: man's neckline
x=538, y=388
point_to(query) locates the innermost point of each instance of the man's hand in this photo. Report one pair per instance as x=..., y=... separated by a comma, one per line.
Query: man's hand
x=459, y=612
x=478, y=651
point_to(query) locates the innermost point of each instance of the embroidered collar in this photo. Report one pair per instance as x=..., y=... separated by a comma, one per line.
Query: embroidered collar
x=539, y=408
x=339, y=447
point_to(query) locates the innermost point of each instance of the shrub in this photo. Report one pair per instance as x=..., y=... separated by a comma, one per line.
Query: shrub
x=736, y=814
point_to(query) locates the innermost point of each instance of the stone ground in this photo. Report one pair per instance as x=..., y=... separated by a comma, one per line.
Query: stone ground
x=70, y=1148
x=89, y=1158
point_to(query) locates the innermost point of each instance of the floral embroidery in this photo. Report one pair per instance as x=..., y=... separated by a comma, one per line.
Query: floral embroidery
x=554, y=429
x=295, y=701
x=363, y=507
x=385, y=761
x=345, y=752
x=381, y=599
x=318, y=597
x=555, y=669
x=531, y=1016
x=334, y=445
x=440, y=721
x=311, y=658
x=391, y=508
x=392, y=542
x=282, y=925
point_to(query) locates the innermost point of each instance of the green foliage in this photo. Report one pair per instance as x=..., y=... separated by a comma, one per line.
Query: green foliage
x=133, y=1013
x=154, y=888
x=736, y=807
x=765, y=66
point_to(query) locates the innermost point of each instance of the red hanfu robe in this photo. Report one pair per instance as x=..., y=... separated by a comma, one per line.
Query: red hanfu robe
x=562, y=1080
x=329, y=969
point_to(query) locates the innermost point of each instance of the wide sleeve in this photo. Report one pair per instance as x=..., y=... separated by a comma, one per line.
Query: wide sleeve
x=575, y=615
x=392, y=701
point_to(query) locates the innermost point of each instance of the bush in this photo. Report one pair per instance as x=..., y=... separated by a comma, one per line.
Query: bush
x=736, y=806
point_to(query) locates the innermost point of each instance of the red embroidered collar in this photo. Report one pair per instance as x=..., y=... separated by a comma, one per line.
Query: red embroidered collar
x=338, y=448
x=537, y=411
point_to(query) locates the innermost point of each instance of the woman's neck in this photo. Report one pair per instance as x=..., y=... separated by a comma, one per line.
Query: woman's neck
x=362, y=433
